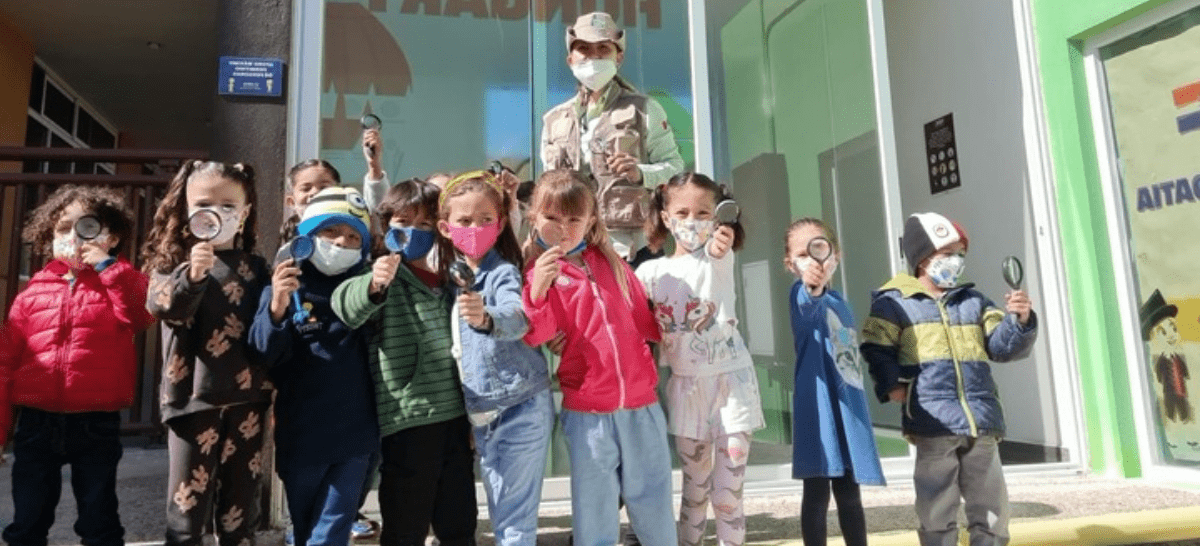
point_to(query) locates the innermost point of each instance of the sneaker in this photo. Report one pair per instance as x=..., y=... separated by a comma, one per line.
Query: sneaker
x=364, y=529
x=290, y=537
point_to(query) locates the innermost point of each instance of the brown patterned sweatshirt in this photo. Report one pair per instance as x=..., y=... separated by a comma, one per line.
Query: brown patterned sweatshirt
x=206, y=363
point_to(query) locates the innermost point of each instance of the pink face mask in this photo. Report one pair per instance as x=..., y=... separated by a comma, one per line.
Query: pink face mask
x=474, y=241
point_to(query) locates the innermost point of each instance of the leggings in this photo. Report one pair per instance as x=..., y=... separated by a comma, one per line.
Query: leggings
x=814, y=509
x=719, y=482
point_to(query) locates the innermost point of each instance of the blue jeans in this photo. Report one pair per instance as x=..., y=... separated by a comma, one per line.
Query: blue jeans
x=323, y=499
x=44, y=442
x=618, y=455
x=512, y=454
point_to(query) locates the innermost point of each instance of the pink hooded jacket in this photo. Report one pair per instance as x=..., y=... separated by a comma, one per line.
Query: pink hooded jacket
x=606, y=364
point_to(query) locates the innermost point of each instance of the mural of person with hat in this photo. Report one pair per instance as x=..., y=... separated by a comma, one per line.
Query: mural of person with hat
x=616, y=136
x=1161, y=333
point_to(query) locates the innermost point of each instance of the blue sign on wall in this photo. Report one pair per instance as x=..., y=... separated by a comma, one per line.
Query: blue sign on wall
x=253, y=76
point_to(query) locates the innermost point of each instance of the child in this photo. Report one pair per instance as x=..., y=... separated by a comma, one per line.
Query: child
x=615, y=429
x=68, y=362
x=928, y=341
x=325, y=426
x=303, y=181
x=427, y=475
x=505, y=382
x=215, y=396
x=833, y=442
x=712, y=395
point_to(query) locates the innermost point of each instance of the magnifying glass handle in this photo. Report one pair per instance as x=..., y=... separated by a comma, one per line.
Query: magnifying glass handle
x=300, y=313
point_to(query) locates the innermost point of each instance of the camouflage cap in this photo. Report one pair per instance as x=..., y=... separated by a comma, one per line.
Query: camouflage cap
x=595, y=27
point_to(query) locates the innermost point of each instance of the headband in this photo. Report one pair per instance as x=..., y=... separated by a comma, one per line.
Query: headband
x=489, y=177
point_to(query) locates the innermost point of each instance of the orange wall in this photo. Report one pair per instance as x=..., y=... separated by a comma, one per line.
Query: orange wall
x=16, y=63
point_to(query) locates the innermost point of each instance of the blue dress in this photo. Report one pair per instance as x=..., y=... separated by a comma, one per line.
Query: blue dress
x=831, y=427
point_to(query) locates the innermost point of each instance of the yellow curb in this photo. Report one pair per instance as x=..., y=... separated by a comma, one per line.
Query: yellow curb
x=1104, y=530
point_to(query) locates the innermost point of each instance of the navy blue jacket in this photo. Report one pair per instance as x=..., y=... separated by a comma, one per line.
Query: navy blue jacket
x=325, y=406
x=940, y=348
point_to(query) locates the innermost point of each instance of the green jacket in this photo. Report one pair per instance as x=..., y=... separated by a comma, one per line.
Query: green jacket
x=416, y=379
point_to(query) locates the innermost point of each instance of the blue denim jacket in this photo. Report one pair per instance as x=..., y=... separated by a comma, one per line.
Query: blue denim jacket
x=499, y=369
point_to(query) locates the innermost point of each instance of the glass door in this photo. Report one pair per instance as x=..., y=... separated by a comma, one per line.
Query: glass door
x=795, y=115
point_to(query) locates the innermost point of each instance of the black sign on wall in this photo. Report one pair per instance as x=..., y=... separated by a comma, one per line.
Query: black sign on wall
x=942, y=152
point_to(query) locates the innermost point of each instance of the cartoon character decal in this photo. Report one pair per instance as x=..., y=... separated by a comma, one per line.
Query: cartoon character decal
x=684, y=318
x=1161, y=332
x=842, y=346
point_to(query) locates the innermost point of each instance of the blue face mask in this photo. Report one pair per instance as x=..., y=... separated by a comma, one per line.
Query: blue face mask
x=420, y=242
x=546, y=246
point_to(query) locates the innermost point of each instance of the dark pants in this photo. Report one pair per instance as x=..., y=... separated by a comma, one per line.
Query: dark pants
x=215, y=476
x=428, y=478
x=815, y=507
x=44, y=442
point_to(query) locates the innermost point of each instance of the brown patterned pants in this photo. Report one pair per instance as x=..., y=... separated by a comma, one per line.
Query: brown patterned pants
x=216, y=475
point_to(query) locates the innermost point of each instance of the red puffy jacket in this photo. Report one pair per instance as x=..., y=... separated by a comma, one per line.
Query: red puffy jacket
x=70, y=349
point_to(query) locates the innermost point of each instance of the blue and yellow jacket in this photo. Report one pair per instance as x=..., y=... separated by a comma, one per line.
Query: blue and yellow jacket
x=940, y=348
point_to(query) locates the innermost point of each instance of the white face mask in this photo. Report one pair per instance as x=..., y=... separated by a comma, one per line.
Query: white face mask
x=594, y=74
x=691, y=234
x=331, y=259
x=801, y=264
x=944, y=271
x=231, y=223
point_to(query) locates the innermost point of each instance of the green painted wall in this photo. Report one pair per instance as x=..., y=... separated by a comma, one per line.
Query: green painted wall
x=1061, y=29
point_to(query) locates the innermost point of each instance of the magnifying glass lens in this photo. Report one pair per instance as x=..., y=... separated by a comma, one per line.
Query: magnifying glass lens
x=820, y=249
x=727, y=212
x=88, y=227
x=551, y=234
x=370, y=121
x=396, y=240
x=204, y=224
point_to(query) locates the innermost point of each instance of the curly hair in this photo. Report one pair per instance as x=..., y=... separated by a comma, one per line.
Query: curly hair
x=566, y=192
x=169, y=241
x=657, y=230
x=288, y=230
x=106, y=205
x=506, y=244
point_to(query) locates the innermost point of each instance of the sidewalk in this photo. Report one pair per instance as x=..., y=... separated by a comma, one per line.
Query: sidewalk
x=1048, y=510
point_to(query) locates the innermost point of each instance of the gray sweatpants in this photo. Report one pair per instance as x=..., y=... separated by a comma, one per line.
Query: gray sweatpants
x=950, y=467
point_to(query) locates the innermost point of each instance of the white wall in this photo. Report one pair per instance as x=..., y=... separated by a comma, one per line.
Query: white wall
x=961, y=58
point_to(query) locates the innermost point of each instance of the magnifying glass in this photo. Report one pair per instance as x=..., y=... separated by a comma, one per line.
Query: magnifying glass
x=462, y=275
x=205, y=224
x=727, y=212
x=820, y=249
x=395, y=240
x=299, y=249
x=1013, y=272
x=549, y=235
x=88, y=227
x=368, y=122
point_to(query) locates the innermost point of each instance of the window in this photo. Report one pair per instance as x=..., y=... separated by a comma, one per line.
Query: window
x=60, y=119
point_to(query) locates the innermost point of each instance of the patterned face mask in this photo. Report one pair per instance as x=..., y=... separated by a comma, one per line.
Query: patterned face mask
x=944, y=271
x=691, y=234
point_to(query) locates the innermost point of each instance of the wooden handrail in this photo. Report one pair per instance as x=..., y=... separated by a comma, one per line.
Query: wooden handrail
x=104, y=155
x=16, y=179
